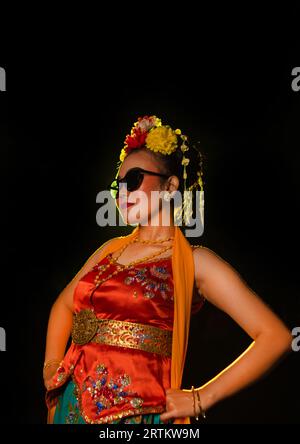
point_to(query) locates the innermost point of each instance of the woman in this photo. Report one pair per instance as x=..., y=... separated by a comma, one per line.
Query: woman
x=129, y=307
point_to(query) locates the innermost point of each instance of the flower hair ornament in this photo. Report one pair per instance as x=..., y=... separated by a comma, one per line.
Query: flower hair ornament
x=149, y=132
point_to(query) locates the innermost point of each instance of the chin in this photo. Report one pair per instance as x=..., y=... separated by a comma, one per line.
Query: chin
x=132, y=218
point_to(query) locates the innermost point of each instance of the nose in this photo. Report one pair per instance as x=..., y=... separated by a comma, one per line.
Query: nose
x=123, y=193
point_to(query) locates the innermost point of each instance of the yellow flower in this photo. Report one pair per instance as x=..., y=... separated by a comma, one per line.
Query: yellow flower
x=157, y=121
x=162, y=139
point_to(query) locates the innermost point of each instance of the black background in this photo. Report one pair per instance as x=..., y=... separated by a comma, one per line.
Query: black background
x=63, y=119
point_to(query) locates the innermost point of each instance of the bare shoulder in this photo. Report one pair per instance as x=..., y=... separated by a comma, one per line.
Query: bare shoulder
x=205, y=256
x=201, y=252
x=210, y=269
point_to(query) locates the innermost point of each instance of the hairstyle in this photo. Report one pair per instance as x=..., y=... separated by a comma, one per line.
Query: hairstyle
x=174, y=153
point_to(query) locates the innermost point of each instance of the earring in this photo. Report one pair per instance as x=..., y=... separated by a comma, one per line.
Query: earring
x=167, y=196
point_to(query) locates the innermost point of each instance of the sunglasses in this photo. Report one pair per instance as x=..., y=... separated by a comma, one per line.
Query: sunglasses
x=133, y=179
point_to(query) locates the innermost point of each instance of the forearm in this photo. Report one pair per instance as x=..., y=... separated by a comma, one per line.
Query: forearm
x=259, y=357
x=58, y=333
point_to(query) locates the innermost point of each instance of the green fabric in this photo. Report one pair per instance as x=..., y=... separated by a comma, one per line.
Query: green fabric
x=67, y=411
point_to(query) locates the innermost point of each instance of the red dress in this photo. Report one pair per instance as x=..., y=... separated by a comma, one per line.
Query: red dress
x=116, y=381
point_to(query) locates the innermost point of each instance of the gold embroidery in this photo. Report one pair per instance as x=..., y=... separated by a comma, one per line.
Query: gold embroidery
x=134, y=335
x=85, y=325
x=88, y=328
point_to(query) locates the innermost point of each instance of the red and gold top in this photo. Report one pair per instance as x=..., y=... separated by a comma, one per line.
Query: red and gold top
x=124, y=368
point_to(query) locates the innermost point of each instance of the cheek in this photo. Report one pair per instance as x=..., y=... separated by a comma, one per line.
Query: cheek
x=150, y=183
x=145, y=202
x=151, y=203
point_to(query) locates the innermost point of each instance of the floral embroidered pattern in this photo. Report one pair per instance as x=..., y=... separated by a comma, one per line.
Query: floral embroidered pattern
x=107, y=392
x=159, y=272
x=153, y=281
x=73, y=413
x=69, y=411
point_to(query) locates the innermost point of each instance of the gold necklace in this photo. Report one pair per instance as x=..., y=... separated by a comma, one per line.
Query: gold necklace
x=158, y=241
x=122, y=267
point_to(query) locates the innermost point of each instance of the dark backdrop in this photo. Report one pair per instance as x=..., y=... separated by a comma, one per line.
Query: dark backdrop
x=63, y=121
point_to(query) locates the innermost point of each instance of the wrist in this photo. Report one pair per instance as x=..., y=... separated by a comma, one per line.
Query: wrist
x=207, y=397
x=197, y=406
x=50, y=363
x=199, y=410
x=199, y=398
x=49, y=369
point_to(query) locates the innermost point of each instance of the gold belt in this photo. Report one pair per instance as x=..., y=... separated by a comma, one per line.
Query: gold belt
x=88, y=328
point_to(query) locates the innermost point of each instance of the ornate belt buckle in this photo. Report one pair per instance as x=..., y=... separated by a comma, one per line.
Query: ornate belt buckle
x=85, y=326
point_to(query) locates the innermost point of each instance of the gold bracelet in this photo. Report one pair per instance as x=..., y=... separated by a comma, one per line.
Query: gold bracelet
x=195, y=414
x=50, y=362
x=202, y=412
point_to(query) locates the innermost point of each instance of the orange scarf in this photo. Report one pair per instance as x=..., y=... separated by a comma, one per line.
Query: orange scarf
x=183, y=277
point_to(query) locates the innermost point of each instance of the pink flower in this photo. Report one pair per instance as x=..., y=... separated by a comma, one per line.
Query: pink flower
x=146, y=123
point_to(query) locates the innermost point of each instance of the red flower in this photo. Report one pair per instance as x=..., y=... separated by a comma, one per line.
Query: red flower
x=136, y=139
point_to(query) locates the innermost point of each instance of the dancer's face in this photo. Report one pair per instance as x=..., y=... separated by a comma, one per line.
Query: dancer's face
x=137, y=206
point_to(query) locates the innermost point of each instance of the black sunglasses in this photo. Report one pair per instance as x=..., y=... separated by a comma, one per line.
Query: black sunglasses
x=133, y=179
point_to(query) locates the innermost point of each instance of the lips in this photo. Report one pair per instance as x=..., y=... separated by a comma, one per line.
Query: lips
x=127, y=205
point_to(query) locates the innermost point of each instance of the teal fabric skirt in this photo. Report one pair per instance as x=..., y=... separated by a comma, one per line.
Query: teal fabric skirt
x=67, y=411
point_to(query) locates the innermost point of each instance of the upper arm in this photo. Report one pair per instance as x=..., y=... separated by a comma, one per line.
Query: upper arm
x=223, y=286
x=66, y=296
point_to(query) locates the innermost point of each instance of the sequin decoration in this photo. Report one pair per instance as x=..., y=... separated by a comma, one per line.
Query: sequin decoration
x=107, y=392
x=152, y=281
x=59, y=378
x=159, y=272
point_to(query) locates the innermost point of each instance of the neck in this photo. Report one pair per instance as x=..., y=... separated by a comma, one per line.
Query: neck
x=153, y=233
